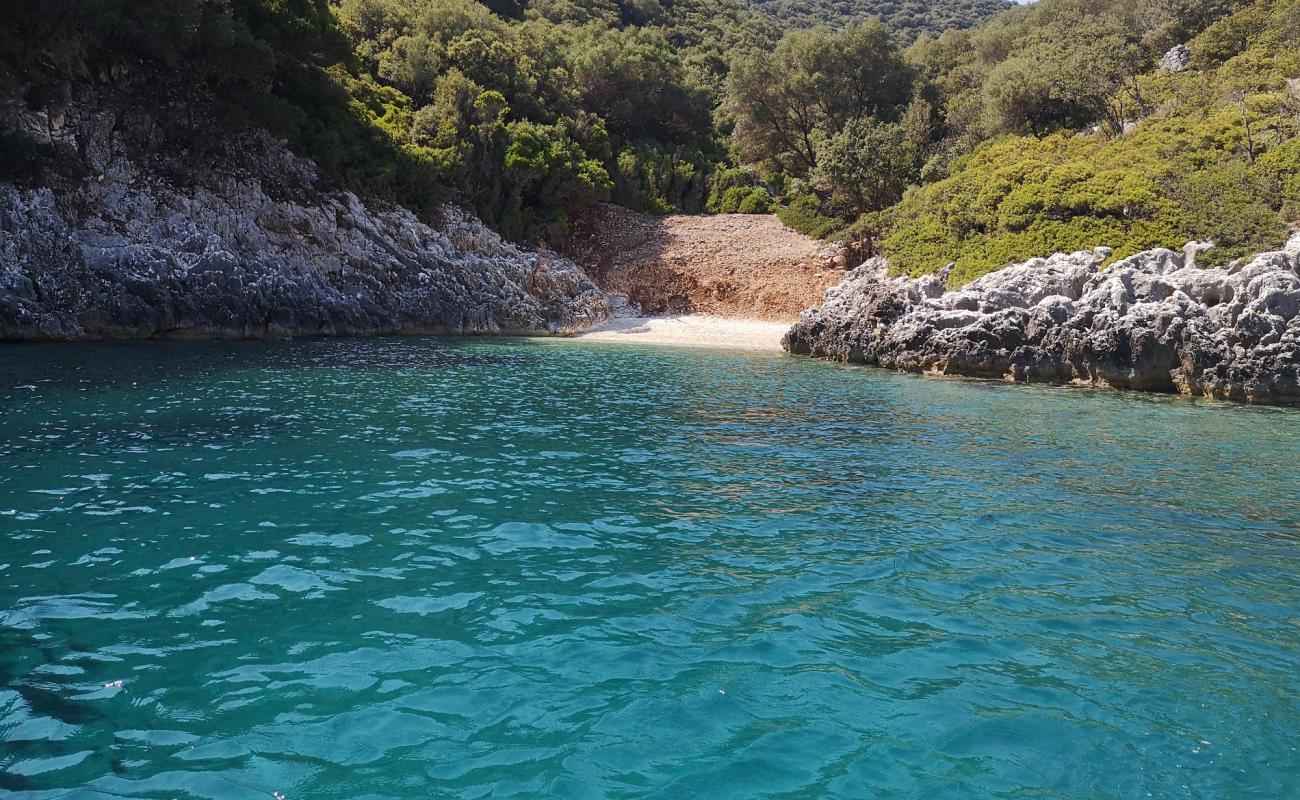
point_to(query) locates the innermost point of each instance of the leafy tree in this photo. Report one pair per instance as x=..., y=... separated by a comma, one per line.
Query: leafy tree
x=814, y=84
x=636, y=82
x=865, y=167
x=1029, y=93
x=547, y=169
x=908, y=18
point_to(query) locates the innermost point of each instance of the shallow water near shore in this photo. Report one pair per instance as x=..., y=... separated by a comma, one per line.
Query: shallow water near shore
x=403, y=568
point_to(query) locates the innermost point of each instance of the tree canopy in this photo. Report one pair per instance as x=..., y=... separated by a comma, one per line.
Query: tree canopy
x=788, y=102
x=908, y=18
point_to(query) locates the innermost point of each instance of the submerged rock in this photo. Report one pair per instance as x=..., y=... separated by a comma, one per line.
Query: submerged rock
x=1153, y=322
x=128, y=254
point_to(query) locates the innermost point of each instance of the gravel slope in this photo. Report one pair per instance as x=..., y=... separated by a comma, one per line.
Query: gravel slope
x=740, y=266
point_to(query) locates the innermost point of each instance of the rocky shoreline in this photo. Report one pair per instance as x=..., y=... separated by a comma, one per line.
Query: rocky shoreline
x=255, y=249
x=231, y=262
x=250, y=246
x=1152, y=322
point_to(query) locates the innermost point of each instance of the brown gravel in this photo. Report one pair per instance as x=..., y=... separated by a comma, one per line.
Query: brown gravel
x=743, y=266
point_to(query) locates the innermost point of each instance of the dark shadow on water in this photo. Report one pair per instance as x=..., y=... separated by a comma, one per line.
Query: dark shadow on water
x=1098, y=393
x=112, y=364
x=73, y=374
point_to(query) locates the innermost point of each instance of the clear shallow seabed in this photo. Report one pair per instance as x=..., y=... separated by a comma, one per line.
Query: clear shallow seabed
x=405, y=568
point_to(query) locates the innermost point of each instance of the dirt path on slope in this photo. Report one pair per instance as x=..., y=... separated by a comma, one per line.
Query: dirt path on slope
x=729, y=265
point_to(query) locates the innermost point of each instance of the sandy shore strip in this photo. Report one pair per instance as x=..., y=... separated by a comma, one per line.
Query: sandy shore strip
x=691, y=330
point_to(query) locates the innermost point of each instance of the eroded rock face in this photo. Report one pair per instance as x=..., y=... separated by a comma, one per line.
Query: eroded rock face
x=126, y=254
x=1153, y=322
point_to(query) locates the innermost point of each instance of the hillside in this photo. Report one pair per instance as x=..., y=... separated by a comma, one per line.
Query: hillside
x=1094, y=142
x=1056, y=127
x=141, y=195
x=908, y=18
x=1051, y=127
x=522, y=112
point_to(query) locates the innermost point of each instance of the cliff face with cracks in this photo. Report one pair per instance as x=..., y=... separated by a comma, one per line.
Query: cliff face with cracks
x=252, y=251
x=1153, y=322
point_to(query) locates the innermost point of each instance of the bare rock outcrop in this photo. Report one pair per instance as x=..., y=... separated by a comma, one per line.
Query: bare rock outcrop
x=1153, y=322
x=1176, y=58
x=251, y=248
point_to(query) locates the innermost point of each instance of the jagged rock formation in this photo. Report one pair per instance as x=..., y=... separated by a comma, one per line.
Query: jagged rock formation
x=1176, y=58
x=254, y=249
x=1153, y=322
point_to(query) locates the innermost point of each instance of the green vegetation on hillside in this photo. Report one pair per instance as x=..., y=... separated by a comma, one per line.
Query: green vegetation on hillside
x=910, y=19
x=543, y=106
x=1092, y=144
x=189, y=73
x=522, y=110
x=1049, y=128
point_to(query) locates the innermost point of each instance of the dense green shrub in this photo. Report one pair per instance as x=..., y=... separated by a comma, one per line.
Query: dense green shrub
x=803, y=213
x=1022, y=197
x=726, y=188
x=909, y=18
x=758, y=201
x=865, y=166
x=661, y=179
x=731, y=198
x=1279, y=174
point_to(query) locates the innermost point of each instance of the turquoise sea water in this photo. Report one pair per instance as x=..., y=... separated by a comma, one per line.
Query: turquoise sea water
x=408, y=568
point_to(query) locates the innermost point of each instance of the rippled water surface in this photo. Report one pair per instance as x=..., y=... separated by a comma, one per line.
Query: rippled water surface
x=438, y=568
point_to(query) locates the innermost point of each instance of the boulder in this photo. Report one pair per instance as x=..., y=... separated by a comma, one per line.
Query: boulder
x=1176, y=58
